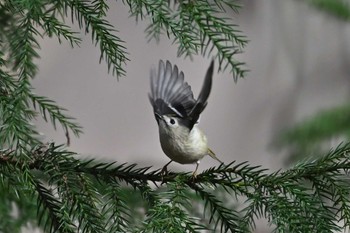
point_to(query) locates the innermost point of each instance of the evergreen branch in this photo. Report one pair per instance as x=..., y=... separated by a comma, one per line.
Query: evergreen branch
x=15, y=196
x=180, y=24
x=323, y=125
x=7, y=83
x=111, y=46
x=56, y=221
x=124, y=172
x=197, y=27
x=335, y=190
x=179, y=198
x=90, y=14
x=75, y=189
x=222, y=4
x=341, y=199
x=322, y=173
x=307, y=136
x=167, y=218
x=16, y=131
x=23, y=43
x=115, y=210
x=337, y=8
x=56, y=113
x=290, y=207
x=333, y=161
x=87, y=203
x=147, y=194
x=282, y=197
x=229, y=218
x=23, y=186
x=169, y=215
x=294, y=212
x=282, y=201
x=217, y=33
x=254, y=209
x=276, y=186
x=101, y=7
x=52, y=26
x=166, y=21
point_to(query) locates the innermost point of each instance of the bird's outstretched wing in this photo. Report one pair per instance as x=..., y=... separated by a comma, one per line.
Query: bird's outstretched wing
x=201, y=101
x=171, y=95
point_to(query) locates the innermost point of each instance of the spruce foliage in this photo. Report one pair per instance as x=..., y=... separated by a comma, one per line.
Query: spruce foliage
x=48, y=186
x=337, y=8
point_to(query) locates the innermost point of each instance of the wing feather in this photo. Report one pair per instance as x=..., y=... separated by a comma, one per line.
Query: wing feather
x=170, y=94
x=202, y=99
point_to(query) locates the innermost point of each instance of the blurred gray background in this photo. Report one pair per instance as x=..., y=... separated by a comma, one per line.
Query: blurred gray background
x=299, y=63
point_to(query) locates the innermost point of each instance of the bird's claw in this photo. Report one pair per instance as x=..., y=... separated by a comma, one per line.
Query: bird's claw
x=164, y=171
x=194, y=176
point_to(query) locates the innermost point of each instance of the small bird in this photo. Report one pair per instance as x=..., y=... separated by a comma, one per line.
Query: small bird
x=177, y=114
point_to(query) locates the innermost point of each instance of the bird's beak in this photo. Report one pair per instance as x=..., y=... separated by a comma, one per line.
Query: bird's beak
x=158, y=116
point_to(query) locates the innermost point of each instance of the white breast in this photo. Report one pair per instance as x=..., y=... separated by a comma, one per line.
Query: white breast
x=182, y=146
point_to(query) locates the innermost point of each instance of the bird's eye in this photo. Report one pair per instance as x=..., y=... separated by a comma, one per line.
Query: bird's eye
x=172, y=121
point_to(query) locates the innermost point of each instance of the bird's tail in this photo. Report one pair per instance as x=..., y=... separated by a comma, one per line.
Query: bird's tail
x=212, y=154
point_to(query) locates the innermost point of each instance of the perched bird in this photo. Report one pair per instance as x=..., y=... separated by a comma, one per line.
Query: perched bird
x=177, y=114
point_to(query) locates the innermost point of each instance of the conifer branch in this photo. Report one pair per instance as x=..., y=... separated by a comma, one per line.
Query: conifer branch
x=53, y=26
x=55, y=112
x=228, y=219
x=16, y=132
x=284, y=198
x=50, y=208
x=309, y=136
x=111, y=46
x=197, y=27
x=115, y=210
x=337, y=8
x=170, y=214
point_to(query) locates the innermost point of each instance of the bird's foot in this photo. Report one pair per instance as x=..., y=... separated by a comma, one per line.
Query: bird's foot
x=194, y=176
x=164, y=171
